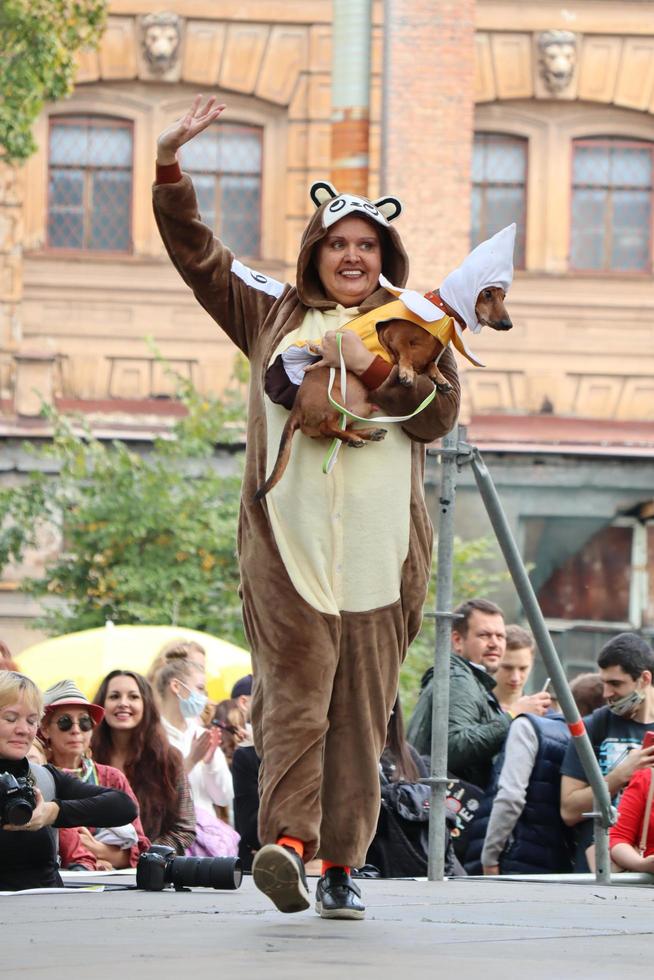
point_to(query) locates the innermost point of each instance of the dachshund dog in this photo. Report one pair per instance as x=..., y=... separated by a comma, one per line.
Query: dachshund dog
x=410, y=346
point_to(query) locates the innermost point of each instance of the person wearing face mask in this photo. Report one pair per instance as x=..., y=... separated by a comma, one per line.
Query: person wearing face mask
x=180, y=688
x=626, y=665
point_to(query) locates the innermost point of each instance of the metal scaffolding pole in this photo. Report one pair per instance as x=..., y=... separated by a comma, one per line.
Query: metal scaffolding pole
x=454, y=452
x=603, y=813
x=350, y=129
x=441, y=680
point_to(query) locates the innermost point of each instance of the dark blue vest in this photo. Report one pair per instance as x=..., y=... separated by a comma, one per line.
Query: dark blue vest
x=540, y=842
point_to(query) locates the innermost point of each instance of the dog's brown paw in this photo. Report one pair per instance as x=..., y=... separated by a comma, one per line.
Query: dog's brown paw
x=377, y=435
x=356, y=443
x=406, y=380
x=443, y=387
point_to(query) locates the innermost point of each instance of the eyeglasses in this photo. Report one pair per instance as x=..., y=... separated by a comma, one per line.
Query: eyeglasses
x=64, y=723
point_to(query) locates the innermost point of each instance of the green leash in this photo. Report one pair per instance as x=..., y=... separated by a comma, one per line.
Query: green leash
x=345, y=414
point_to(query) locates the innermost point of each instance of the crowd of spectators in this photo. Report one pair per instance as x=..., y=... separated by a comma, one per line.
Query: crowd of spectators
x=152, y=760
x=146, y=761
x=517, y=760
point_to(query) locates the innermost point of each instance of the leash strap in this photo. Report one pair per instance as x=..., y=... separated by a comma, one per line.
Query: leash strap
x=345, y=414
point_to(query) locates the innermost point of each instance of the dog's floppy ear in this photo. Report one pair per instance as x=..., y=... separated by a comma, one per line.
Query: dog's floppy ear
x=322, y=191
x=390, y=207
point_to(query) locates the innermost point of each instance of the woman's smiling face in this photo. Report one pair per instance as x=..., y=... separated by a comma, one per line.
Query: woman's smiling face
x=123, y=703
x=18, y=724
x=349, y=261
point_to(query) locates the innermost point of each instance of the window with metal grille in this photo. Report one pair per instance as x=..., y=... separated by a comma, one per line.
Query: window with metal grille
x=225, y=163
x=90, y=184
x=499, y=182
x=612, y=186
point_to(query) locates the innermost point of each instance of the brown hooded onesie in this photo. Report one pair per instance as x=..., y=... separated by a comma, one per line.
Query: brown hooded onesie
x=327, y=643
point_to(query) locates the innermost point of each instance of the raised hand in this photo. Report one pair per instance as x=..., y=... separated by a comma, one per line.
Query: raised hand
x=533, y=704
x=201, y=746
x=638, y=758
x=186, y=127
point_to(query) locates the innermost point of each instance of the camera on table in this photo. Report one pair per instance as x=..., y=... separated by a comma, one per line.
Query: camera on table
x=17, y=800
x=160, y=867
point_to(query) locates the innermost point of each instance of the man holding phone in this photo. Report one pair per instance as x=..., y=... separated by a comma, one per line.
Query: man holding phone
x=616, y=732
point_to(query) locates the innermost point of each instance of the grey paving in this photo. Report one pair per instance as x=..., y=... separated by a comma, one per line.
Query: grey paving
x=480, y=929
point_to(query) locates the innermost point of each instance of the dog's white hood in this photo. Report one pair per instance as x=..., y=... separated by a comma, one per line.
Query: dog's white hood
x=489, y=264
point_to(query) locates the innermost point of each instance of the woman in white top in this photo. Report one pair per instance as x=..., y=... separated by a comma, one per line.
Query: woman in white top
x=180, y=687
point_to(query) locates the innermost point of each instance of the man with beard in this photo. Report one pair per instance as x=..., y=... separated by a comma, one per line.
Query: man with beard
x=616, y=731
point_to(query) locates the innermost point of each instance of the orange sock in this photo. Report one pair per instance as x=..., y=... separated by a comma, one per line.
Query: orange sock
x=332, y=864
x=293, y=842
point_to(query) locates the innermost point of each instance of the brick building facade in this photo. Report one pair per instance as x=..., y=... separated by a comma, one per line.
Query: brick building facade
x=477, y=110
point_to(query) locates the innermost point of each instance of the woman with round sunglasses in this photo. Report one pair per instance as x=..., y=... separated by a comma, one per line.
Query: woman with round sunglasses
x=67, y=727
x=39, y=799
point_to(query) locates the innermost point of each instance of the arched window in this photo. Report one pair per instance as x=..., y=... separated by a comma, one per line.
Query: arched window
x=499, y=181
x=612, y=185
x=90, y=184
x=225, y=163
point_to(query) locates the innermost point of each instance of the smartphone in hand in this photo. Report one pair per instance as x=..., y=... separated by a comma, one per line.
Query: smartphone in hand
x=648, y=740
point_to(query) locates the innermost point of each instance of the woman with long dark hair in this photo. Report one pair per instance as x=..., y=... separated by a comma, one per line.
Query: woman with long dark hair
x=131, y=738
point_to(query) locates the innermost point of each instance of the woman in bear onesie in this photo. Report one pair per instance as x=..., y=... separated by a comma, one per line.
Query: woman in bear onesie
x=334, y=568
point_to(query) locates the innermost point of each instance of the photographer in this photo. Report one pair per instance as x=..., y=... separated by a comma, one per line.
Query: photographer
x=28, y=850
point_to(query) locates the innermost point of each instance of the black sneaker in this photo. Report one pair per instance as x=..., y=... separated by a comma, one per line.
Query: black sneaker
x=337, y=897
x=278, y=872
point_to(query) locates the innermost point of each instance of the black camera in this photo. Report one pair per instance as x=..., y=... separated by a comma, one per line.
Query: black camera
x=159, y=867
x=17, y=800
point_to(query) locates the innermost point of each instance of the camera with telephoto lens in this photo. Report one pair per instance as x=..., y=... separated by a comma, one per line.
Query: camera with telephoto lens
x=160, y=867
x=17, y=800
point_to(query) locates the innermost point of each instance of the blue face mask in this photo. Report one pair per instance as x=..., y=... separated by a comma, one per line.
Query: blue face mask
x=194, y=704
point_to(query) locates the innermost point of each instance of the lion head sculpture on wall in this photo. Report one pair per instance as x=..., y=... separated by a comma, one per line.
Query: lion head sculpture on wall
x=160, y=41
x=557, y=59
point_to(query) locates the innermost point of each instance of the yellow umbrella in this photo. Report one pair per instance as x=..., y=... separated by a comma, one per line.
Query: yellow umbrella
x=86, y=657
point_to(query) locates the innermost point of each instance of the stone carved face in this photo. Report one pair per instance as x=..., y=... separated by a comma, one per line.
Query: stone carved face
x=558, y=57
x=160, y=40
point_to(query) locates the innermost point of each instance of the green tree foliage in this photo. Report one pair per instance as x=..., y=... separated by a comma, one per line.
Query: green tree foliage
x=147, y=539
x=38, y=42
x=472, y=575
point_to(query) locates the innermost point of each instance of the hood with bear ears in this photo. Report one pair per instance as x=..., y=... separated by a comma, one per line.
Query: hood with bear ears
x=331, y=207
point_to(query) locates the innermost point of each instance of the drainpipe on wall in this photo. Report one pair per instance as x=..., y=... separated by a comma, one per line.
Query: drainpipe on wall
x=351, y=30
x=386, y=82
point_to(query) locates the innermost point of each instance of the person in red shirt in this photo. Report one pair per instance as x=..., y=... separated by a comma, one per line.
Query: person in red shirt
x=625, y=835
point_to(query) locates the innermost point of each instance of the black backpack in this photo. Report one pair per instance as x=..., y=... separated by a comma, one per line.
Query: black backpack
x=400, y=846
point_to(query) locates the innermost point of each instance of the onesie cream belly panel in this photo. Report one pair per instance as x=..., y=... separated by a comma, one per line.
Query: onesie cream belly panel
x=343, y=538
